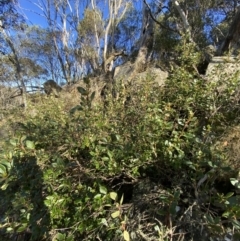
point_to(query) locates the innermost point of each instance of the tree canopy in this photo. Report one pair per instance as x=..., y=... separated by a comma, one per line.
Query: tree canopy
x=82, y=35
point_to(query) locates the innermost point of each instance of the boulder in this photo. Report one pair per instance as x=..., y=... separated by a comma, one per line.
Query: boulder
x=51, y=87
x=222, y=68
x=126, y=73
x=106, y=83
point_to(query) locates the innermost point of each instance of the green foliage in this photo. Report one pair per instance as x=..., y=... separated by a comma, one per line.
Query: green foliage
x=62, y=173
x=86, y=27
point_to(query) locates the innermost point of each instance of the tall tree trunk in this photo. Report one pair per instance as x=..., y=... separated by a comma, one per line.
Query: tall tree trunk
x=231, y=43
x=146, y=41
x=186, y=25
x=114, y=19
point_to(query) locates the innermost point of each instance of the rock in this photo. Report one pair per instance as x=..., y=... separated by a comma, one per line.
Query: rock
x=221, y=67
x=159, y=75
x=51, y=87
x=122, y=71
x=126, y=73
x=105, y=83
x=221, y=70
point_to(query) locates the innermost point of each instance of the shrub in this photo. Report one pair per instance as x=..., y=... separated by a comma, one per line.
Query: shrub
x=106, y=171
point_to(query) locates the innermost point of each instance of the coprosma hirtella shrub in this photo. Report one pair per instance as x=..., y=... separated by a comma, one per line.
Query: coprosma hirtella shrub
x=58, y=171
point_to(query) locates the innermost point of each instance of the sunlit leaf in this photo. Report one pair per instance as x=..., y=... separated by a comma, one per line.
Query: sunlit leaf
x=126, y=235
x=13, y=142
x=4, y=186
x=104, y=222
x=121, y=200
x=115, y=214
x=102, y=189
x=30, y=144
x=113, y=196
x=234, y=181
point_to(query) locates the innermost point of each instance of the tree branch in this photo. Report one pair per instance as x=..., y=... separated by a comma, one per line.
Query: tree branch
x=159, y=23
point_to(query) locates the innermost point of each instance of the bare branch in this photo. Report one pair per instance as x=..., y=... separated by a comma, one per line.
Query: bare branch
x=159, y=23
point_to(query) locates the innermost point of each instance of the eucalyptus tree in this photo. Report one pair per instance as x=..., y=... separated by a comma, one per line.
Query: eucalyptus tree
x=83, y=32
x=36, y=44
x=11, y=20
x=57, y=14
x=195, y=23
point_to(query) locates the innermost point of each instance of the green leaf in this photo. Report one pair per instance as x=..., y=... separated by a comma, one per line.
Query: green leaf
x=226, y=214
x=22, y=228
x=234, y=181
x=13, y=142
x=230, y=194
x=10, y=155
x=4, y=186
x=115, y=137
x=113, y=196
x=9, y=229
x=102, y=189
x=126, y=235
x=104, y=222
x=59, y=237
x=81, y=90
x=236, y=224
x=97, y=196
x=86, y=80
x=115, y=214
x=105, y=158
x=92, y=96
x=30, y=144
x=76, y=108
x=3, y=170
x=23, y=138
x=121, y=201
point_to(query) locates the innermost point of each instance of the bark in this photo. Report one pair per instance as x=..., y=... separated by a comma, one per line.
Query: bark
x=114, y=19
x=110, y=7
x=108, y=64
x=183, y=17
x=186, y=25
x=146, y=41
x=232, y=39
x=95, y=28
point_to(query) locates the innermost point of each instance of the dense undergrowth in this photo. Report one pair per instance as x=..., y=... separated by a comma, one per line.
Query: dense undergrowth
x=150, y=165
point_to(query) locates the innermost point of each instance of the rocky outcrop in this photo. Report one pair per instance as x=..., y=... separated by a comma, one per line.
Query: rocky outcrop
x=51, y=87
x=123, y=74
x=126, y=74
x=222, y=67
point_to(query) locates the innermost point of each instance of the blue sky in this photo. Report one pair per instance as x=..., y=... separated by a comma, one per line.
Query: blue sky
x=31, y=12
